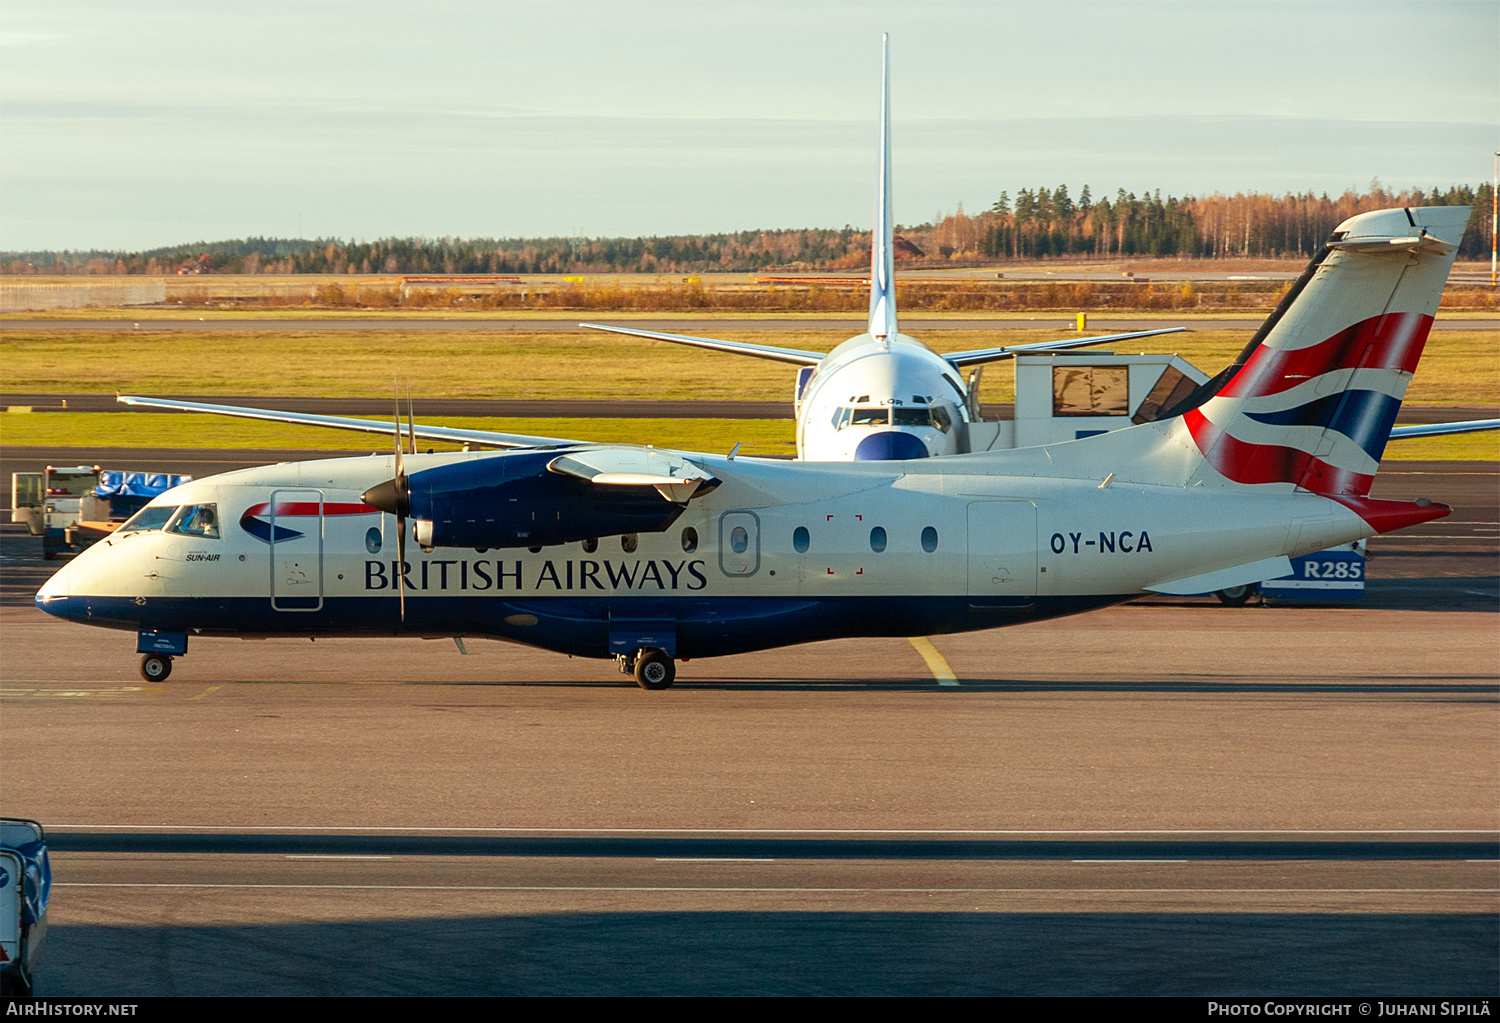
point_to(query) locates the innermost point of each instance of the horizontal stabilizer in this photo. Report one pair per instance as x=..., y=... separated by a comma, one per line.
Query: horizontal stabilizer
x=1240, y=575
x=451, y=435
x=1423, y=242
x=1444, y=429
x=983, y=355
x=792, y=355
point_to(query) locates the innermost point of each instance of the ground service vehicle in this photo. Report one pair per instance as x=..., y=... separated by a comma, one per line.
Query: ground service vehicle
x=25, y=883
x=71, y=507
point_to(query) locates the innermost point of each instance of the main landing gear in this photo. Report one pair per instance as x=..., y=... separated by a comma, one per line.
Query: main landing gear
x=1237, y=596
x=652, y=668
x=156, y=667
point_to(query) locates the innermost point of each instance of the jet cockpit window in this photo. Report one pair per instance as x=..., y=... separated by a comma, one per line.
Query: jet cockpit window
x=934, y=416
x=201, y=520
x=149, y=518
x=846, y=416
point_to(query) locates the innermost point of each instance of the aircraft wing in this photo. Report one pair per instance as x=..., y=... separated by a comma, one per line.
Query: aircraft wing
x=793, y=355
x=982, y=355
x=1444, y=429
x=441, y=433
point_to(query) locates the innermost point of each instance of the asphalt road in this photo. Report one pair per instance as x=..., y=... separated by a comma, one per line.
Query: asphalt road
x=566, y=409
x=1167, y=797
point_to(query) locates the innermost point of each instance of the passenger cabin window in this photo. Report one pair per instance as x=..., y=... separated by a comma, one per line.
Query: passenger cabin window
x=739, y=540
x=801, y=541
x=629, y=542
x=877, y=539
x=590, y=545
x=147, y=519
x=929, y=539
x=689, y=539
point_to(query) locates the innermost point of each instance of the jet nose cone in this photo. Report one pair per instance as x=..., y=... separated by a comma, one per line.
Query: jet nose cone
x=889, y=446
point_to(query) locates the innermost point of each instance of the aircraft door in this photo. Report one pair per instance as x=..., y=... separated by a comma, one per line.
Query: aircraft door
x=296, y=519
x=739, y=543
x=1002, y=551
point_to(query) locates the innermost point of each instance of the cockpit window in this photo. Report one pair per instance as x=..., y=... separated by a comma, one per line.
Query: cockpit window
x=200, y=520
x=846, y=416
x=935, y=416
x=149, y=518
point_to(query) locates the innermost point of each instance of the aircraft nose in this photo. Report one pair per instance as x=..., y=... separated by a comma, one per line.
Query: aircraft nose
x=889, y=446
x=53, y=596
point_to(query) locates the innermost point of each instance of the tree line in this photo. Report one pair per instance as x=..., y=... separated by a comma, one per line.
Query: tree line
x=1048, y=222
x=1037, y=222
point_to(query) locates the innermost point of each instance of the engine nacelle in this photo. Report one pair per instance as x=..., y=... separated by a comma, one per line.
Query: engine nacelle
x=516, y=500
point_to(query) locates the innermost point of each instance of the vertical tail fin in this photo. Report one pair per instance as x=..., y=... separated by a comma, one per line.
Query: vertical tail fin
x=1313, y=403
x=882, y=243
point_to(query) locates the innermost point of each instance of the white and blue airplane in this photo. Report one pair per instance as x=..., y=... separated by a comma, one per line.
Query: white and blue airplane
x=883, y=395
x=649, y=555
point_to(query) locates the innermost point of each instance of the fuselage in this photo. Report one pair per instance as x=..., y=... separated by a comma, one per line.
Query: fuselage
x=776, y=554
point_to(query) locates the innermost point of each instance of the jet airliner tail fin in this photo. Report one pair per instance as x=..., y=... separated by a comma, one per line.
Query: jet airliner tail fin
x=1312, y=401
x=882, y=233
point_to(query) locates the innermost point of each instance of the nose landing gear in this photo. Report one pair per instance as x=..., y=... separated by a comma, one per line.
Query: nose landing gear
x=156, y=667
x=652, y=668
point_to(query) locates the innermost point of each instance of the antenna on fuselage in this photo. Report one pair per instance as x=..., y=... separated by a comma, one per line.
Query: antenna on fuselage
x=882, y=235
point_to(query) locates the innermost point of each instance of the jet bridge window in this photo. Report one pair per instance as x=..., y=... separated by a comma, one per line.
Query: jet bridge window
x=1173, y=386
x=1090, y=391
x=201, y=520
x=149, y=518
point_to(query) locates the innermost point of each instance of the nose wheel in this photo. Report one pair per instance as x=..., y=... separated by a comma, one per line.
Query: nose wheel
x=156, y=667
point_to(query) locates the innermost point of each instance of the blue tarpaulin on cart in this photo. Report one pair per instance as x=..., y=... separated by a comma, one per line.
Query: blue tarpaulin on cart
x=136, y=484
x=38, y=880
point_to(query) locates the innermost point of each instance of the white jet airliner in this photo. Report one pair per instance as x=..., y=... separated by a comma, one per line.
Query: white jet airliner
x=882, y=394
x=648, y=555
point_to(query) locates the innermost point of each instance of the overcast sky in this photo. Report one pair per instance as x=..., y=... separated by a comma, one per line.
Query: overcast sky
x=132, y=125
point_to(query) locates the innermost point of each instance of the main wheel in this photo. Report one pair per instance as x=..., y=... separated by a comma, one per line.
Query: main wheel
x=654, y=670
x=156, y=667
x=1236, y=596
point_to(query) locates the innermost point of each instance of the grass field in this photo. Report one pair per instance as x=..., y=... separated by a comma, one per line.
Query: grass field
x=759, y=436
x=1459, y=367
x=169, y=430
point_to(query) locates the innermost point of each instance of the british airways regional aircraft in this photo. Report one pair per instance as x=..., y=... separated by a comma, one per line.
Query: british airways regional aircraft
x=882, y=394
x=648, y=555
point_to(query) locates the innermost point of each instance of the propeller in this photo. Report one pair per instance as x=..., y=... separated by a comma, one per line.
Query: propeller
x=394, y=498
